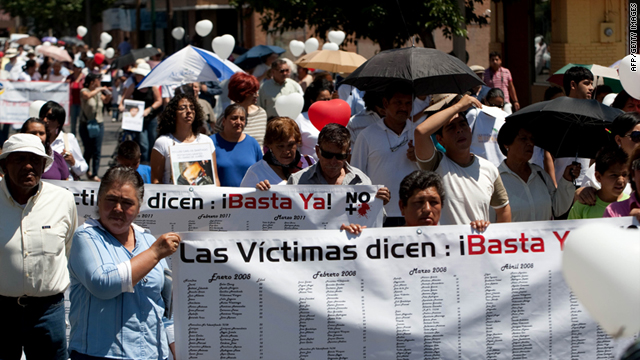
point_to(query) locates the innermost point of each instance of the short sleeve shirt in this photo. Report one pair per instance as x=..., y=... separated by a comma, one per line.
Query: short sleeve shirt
x=499, y=79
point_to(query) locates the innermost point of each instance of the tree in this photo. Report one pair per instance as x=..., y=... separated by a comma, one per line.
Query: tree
x=382, y=21
x=58, y=15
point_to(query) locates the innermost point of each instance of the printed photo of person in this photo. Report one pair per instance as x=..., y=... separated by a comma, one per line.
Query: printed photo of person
x=195, y=173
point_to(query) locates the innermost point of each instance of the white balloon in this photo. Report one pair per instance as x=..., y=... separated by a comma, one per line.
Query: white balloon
x=34, y=108
x=630, y=79
x=82, y=31
x=337, y=37
x=105, y=38
x=330, y=46
x=178, y=33
x=203, y=27
x=46, y=43
x=289, y=105
x=600, y=264
x=38, y=49
x=109, y=53
x=223, y=46
x=149, y=46
x=296, y=47
x=311, y=45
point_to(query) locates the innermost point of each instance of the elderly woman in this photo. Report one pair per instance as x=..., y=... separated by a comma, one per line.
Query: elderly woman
x=282, y=158
x=92, y=99
x=117, y=277
x=65, y=144
x=319, y=90
x=532, y=194
x=58, y=169
x=179, y=124
x=243, y=90
x=236, y=151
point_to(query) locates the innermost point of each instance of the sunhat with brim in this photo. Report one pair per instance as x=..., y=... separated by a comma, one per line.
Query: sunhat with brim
x=25, y=143
x=477, y=68
x=142, y=69
x=11, y=53
x=440, y=100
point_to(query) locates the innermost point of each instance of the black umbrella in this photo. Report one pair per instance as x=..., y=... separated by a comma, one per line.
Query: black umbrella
x=132, y=56
x=568, y=127
x=426, y=71
x=72, y=40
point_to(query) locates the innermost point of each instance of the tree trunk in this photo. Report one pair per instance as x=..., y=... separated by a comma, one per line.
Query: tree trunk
x=426, y=36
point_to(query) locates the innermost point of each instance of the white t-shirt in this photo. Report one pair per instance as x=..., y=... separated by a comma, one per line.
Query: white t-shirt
x=309, y=135
x=361, y=121
x=485, y=124
x=164, y=142
x=382, y=154
x=420, y=105
x=562, y=163
x=353, y=97
x=56, y=78
x=168, y=91
x=258, y=172
x=469, y=191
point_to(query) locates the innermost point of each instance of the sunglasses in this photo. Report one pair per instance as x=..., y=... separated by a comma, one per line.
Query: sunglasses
x=284, y=71
x=330, y=155
x=634, y=136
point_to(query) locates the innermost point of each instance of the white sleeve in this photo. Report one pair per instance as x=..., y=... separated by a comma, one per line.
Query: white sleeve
x=124, y=270
x=80, y=167
x=359, y=154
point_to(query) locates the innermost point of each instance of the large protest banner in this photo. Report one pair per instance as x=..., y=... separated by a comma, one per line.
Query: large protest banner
x=210, y=208
x=442, y=292
x=16, y=96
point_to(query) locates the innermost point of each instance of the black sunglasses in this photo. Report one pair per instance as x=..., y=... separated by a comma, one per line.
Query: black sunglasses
x=330, y=155
x=634, y=136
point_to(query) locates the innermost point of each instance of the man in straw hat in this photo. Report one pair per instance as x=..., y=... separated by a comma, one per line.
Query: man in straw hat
x=472, y=184
x=36, y=227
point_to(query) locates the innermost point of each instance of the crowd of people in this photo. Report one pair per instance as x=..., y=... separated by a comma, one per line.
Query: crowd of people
x=444, y=159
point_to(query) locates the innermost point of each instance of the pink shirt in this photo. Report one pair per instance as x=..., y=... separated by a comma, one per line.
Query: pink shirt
x=622, y=208
x=500, y=79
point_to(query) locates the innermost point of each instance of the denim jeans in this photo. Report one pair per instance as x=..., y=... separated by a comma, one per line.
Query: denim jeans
x=73, y=118
x=39, y=327
x=146, y=138
x=92, y=147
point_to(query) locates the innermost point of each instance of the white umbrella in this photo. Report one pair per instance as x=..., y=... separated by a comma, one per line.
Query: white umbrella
x=188, y=65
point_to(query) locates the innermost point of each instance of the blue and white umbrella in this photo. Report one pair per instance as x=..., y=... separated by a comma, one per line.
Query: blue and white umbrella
x=188, y=65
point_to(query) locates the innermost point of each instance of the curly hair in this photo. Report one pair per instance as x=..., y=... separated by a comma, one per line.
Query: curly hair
x=281, y=129
x=167, y=123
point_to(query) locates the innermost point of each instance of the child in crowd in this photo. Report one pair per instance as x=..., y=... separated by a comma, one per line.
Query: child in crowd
x=129, y=155
x=630, y=206
x=612, y=173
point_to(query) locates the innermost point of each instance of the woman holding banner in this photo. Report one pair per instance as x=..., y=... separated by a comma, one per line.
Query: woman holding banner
x=179, y=124
x=282, y=158
x=117, y=278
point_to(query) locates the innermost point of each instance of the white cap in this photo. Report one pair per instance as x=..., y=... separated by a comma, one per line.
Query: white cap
x=25, y=143
x=142, y=69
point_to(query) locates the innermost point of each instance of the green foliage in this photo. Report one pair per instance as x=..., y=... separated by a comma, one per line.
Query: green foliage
x=58, y=15
x=379, y=20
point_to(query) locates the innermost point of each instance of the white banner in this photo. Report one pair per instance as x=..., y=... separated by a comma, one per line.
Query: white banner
x=441, y=292
x=17, y=96
x=210, y=208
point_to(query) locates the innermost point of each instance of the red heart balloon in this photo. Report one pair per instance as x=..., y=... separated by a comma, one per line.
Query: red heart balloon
x=322, y=113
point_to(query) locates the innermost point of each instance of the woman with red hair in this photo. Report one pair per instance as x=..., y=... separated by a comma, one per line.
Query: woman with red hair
x=243, y=90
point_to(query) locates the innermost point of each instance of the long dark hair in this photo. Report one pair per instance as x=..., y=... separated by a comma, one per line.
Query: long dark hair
x=167, y=123
x=25, y=127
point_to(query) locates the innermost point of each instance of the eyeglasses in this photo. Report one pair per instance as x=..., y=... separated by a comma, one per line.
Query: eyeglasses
x=284, y=71
x=634, y=136
x=494, y=105
x=329, y=155
x=185, y=108
x=404, y=141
